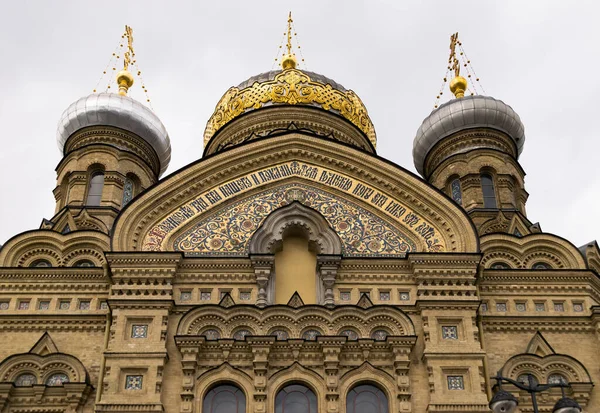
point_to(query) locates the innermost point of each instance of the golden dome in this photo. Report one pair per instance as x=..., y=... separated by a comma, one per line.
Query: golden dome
x=290, y=87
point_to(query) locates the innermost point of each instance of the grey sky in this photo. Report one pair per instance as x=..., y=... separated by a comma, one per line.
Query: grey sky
x=540, y=57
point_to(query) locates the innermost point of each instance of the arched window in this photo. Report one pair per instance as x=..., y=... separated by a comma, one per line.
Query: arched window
x=128, y=190
x=296, y=398
x=57, y=379
x=25, y=379
x=524, y=379
x=366, y=399
x=224, y=399
x=311, y=334
x=379, y=335
x=500, y=266
x=84, y=263
x=456, y=191
x=95, y=189
x=40, y=263
x=489, y=193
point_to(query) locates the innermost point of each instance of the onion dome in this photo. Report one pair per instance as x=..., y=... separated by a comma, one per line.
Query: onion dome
x=119, y=111
x=466, y=113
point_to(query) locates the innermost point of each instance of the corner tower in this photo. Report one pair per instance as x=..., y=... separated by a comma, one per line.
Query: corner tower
x=113, y=147
x=469, y=148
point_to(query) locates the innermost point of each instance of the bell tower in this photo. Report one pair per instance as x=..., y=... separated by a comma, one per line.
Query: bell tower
x=113, y=148
x=469, y=148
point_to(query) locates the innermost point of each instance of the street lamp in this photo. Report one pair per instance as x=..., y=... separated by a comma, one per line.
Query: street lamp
x=504, y=402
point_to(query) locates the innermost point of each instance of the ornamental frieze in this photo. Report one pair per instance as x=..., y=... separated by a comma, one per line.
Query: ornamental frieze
x=404, y=229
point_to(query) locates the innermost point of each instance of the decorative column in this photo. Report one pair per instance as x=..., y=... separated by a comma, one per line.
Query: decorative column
x=401, y=348
x=263, y=267
x=332, y=347
x=328, y=267
x=261, y=346
x=190, y=349
x=141, y=299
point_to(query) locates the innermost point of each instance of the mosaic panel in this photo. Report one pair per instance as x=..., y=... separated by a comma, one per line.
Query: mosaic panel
x=404, y=296
x=26, y=379
x=577, y=307
x=345, y=295
x=521, y=307
x=456, y=383
x=379, y=335
x=211, y=334
x=57, y=379
x=559, y=307
x=449, y=333
x=139, y=331
x=205, y=295
x=64, y=305
x=44, y=305
x=23, y=305
x=85, y=305
x=384, y=295
x=280, y=334
x=133, y=382
x=501, y=307
x=245, y=295
x=311, y=334
x=4, y=305
x=540, y=307
x=228, y=232
x=241, y=334
x=351, y=334
x=557, y=379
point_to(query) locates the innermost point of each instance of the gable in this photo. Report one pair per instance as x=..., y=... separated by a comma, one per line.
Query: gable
x=218, y=203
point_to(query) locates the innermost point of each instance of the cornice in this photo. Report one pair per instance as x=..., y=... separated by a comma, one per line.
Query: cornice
x=565, y=324
x=39, y=322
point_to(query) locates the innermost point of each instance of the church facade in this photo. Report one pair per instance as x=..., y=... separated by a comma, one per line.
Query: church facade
x=292, y=269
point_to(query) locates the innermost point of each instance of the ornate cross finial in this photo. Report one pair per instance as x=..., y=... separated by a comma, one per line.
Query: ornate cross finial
x=124, y=78
x=458, y=85
x=129, y=53
x=289, y=59
x=289, y=34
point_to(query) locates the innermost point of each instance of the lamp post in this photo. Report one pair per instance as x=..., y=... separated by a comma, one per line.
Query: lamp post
x=504, y=402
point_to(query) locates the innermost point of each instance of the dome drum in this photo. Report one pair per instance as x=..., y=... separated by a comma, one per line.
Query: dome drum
x=276, y=120
x=118, y=111
x=458, y=115
x=465, y=141
x=116, y=137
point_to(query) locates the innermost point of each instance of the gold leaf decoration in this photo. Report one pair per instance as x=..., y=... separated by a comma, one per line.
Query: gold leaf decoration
x=290, y=87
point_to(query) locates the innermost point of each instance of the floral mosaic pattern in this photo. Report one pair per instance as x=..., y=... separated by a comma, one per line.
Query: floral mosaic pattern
x=311, y=334
x=57, y=379
x=211, y=334
x=241, y=334
x=229, y=232
x=280, y=334
x=25, y=379
x=379, y=335
x=351, y=334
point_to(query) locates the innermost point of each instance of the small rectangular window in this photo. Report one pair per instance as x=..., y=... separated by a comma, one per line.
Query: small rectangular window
x=489, y=193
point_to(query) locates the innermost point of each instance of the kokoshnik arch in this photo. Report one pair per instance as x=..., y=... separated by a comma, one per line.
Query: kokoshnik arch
x=291, y=268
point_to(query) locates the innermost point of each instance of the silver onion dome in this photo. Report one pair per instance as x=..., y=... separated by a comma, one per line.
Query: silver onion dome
x=122, y=112
x=466, y=113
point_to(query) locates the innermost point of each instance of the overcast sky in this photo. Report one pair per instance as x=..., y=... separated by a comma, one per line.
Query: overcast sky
x=540, y=57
